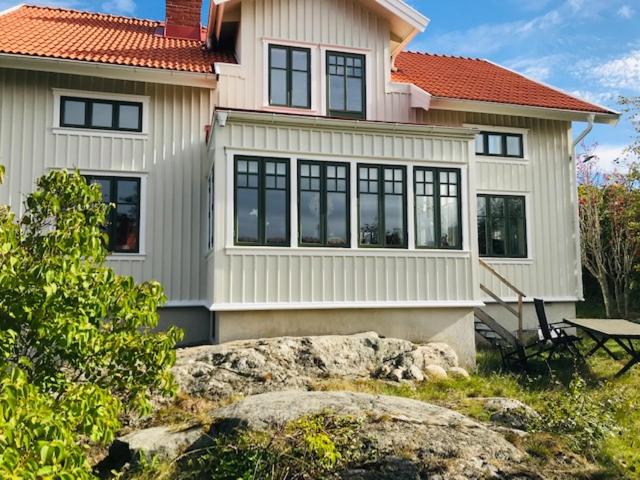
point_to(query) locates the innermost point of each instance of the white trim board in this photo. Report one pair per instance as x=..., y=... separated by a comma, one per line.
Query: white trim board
x=231, y=307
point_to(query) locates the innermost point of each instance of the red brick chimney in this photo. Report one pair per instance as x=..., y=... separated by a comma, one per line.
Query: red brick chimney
x=183, y=19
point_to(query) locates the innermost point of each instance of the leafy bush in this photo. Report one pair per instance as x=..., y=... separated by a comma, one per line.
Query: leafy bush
x=77, y=347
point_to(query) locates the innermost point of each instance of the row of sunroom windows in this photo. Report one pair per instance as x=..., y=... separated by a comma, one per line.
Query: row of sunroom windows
x=263, y=197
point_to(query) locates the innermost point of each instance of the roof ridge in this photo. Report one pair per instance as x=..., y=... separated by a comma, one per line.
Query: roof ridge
x=444, y=55
x=87, y=12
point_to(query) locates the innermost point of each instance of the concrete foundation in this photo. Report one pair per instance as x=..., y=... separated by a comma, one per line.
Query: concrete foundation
x=453, y=326
x=195, y=321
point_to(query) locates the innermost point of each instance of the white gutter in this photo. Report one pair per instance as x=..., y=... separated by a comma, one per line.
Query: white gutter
x=590, y=119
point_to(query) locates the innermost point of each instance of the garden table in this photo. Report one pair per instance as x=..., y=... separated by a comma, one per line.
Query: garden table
x=623, y=332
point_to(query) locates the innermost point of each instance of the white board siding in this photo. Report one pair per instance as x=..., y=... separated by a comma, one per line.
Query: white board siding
x=547, y=178
x=332, y=24
x=273, y=277
x=170, y=156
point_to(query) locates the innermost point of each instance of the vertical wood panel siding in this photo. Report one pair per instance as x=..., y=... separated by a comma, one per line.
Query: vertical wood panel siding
x=171, y=156
x=272, y=277
x=331, y=23
x=547, y=180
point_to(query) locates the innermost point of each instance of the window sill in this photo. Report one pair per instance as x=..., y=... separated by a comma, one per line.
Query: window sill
x=132, y=257
x=508, y=261
x=345, y=252
x=500, y=159
x=295, y=110
x=88, y=132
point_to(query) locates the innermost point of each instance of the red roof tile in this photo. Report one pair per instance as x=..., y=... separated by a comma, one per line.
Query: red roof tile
x=480, y=80
x=95, y=37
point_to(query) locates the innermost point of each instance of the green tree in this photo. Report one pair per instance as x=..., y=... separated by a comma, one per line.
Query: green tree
x=77, y=346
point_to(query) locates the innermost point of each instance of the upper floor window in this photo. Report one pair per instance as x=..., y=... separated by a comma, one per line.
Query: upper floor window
x=438, y=208
x=346, y=85
x=100, y=114
x=502, y=230
x=323, y=204
x=499, y=144
x=289, y=76
x=381, y=200
x=261, y=201
x=123, y=220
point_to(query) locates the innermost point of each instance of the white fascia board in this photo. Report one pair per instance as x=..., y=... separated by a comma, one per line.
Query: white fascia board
x=12, y=9
x=104, y=70
x=460, y=105
x=233, y=307
x=406, y=12
x=340, y=124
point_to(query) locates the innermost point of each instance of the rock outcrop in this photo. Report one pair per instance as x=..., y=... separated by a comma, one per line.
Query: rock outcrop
x=257, y=366
x=408, y=435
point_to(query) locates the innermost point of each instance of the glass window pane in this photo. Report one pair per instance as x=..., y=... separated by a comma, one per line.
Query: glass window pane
x=74, y=112
x=278, y=87
x=394, y=220
x=125, y=229
x=105, y=186
x=276, y=217
x=128, y=191
x=300, y=60
x=102, y=115
x=247, y=215
x=514, y=145
x=278, y=57
x=449, y=224
x=425, y=226
x=482, y=236
x=129, y=117
x=336, y=93
x=310, y=217
x=480, y=143
x=497, y=236
x=300, y=90
x=369, y=221
x=495, y=145
x=354, y=95
x=337, y=220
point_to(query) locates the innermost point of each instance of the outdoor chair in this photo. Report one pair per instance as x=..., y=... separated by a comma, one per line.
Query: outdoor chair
x=554, y=336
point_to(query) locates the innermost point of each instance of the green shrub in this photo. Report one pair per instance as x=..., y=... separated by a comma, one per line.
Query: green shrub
x=76, y=341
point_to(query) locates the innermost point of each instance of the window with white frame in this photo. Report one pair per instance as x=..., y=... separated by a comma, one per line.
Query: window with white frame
x=500, y=144
x=100, y=114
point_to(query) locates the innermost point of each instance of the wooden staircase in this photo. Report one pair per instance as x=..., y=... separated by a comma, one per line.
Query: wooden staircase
x=511, y=346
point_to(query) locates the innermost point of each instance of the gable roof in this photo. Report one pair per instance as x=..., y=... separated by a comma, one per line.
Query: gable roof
x=480, y=80
x=101, y=38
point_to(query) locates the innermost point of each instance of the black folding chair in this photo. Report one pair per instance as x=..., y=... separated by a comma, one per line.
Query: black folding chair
x=555, y=337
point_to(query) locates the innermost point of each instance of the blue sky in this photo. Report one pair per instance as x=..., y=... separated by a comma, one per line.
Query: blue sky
x=590, y=48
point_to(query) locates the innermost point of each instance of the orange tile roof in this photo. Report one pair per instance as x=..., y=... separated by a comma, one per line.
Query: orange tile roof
x=95, y=37
x=481, y=80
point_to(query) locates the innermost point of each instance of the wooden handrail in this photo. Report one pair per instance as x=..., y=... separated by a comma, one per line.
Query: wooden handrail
x=501, y=278
x=517, y=313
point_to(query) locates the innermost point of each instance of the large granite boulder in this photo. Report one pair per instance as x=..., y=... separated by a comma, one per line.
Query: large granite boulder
x=257, y=366
x=412, y=439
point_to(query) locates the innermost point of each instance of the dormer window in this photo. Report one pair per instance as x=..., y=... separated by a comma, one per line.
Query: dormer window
x=346, y=85
x=289, y=77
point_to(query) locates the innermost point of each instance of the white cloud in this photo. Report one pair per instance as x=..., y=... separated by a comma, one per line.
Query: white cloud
x=626, y=12
x=597, y=97
x=621, y=72
x=537, y=68
x=610, y=157
x=119, y=6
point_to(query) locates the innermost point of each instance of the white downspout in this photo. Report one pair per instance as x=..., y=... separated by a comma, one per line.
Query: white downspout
x=574, y=195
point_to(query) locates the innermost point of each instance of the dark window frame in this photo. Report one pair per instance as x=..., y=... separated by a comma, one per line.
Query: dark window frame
x=381, y=206
x=507, y=226
x=436, y=200
x=289, y=69
x=88, y=110
x=504, y=136
x=111, y=215
x=361, y=115
x=323, y=203
x=262, y=191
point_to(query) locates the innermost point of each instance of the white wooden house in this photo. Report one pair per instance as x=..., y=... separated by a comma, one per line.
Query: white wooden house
x=291, y=169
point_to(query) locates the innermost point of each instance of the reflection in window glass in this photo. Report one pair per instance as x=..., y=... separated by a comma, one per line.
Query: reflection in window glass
x=289, y=76
x=438, y=208
x=102, y=115
x=500, y=144
x=514, y=145
x=495, y=144
x=346, y=74
x=502, y=226
x=382, y=203
x=129, y=117
x=74, y=112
